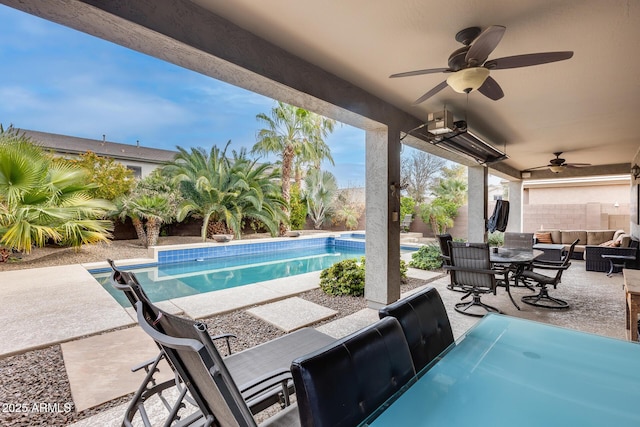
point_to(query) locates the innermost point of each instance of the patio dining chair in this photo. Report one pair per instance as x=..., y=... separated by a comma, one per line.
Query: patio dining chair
x=425, y=324
x=542, y=298
x=472, y=265
x=342, y=384
x=445, y=255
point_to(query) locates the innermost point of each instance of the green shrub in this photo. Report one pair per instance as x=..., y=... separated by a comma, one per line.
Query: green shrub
x=344, y=278
x=426, y=258
x=347, y=277
x=496, y=238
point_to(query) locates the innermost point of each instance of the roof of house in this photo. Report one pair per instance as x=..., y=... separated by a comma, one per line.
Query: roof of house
x=65, y=144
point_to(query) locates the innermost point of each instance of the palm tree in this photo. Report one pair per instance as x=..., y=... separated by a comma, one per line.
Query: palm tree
x=217, y=188
x=42, y=199
x=320, y=190
x=294, y=134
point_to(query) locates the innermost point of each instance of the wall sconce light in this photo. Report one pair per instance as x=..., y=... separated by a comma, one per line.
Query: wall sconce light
x=635, y=171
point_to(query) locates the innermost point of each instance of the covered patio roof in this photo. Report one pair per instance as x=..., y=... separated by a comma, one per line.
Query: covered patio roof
x=336, y=57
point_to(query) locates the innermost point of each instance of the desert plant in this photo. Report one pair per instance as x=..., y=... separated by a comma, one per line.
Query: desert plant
x=112, y=179
x=320, y=189
x=347, y=277
x=496, y=238
x=43, y=201
x=427, y=258
x=344, y=278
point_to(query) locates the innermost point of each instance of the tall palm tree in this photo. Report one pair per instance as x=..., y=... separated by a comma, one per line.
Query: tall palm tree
x=293, y=134
x=218, y=188
x=44, y=200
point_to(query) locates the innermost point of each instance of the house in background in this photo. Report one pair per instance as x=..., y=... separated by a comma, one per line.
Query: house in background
x=141, y=160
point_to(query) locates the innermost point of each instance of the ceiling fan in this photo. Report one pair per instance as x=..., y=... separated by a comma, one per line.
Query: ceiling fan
x=470, y=68
x=557, y=165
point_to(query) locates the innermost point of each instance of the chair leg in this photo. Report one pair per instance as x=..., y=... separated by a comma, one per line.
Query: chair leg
x=544, y=300
x=462, y=307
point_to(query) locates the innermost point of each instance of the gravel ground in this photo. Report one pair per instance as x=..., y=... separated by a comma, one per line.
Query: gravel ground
x=38, y=376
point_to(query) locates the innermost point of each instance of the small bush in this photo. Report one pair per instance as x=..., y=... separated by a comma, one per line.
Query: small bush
x=427, y=258
x=344, y=278
x=496, y=238
x=347, y=277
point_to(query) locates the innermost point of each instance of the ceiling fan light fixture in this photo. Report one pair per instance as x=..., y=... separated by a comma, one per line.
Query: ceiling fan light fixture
x=556, y=168
x=468, y=79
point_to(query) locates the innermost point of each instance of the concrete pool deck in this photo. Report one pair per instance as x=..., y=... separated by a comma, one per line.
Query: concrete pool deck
x=51, y=305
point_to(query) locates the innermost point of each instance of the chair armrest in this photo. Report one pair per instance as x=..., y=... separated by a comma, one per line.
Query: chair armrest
x=472, y=270
x=551, y=267
x=271, y=383
x=226, y=337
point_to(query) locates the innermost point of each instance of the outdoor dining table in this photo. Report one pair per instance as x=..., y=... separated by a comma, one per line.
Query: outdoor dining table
x=507, y=371
x=518, y=257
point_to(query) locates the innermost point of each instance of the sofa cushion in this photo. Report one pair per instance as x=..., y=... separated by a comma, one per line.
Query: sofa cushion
x=543, y=237
x=556, y=235
x=595, y=237
x=623, y=241
x=617, y=234
x=568, y=236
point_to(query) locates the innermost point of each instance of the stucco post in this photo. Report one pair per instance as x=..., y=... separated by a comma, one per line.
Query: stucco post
x=382, y=247
x=515, y=207
x=478, y=178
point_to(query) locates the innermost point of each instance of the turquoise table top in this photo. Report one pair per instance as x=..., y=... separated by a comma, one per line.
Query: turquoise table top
x=512, y=372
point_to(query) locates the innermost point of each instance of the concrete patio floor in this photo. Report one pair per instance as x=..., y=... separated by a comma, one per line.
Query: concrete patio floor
x=66, y=303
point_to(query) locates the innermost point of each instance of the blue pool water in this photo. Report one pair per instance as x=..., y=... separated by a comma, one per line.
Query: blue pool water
x=178, y=279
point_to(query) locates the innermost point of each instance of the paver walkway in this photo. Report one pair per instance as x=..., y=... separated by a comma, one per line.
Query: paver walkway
x=291, y=313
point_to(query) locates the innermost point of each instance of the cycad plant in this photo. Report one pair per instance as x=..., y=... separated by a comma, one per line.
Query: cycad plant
x=218, y=188
x=44, y=199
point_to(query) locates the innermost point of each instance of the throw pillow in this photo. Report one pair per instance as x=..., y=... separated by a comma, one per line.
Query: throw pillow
x=543, y=237
x=608, y=243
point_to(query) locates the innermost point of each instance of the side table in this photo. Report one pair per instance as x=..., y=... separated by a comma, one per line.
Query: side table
x=632, y=297
x=617, y=261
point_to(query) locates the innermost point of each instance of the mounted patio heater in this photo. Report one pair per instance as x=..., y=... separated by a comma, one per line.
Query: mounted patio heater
x=455, y=137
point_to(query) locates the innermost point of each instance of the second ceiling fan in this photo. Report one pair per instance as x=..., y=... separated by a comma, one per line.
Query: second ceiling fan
x=470, y=68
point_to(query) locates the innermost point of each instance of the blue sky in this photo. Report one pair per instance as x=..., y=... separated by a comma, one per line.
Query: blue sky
x=56, y=79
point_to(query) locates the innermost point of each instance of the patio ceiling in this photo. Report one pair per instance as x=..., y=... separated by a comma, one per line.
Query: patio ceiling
x=584, y=107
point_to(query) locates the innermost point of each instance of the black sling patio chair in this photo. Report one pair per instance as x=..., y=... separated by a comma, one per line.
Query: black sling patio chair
x=472, y=265
x=542, y=298
x=445, y=255
x=425, y=324
x=261, y=372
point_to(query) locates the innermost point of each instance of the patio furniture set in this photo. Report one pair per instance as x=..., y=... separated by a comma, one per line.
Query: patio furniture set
x=404, y=369
x=475, y=269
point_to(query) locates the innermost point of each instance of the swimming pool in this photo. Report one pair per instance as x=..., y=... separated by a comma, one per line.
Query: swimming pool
x=183, y=270
x=178, y=279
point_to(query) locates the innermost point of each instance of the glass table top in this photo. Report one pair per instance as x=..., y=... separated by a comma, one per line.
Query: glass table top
x=513, y=372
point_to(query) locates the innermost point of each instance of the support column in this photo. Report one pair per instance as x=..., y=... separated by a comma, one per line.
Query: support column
x=478, y=178
x=515, y=207
x=382, y=247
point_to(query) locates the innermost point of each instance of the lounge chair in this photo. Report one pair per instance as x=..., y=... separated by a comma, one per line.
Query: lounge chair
x=189, y=348
x=405, y=224
x=262, y=372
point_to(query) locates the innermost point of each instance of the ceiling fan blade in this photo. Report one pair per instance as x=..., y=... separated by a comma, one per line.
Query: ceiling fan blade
x=420, y=72
x=576, y=165
x=491, y=89
x=527, y=60
x=537, y=167
x=484, y=44
x=431, y=93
